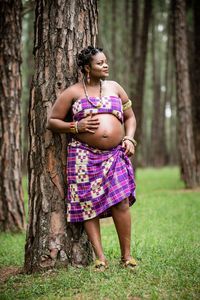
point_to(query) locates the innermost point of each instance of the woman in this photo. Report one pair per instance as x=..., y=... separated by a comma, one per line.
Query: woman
x=99, y=172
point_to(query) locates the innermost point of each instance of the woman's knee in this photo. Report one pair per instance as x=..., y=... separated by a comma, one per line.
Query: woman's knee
x=122, y=206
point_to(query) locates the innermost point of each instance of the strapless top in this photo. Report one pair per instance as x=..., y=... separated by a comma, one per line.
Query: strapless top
x=82, y=108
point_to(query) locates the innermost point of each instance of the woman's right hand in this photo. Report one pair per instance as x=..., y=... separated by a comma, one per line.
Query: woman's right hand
x=88, y=124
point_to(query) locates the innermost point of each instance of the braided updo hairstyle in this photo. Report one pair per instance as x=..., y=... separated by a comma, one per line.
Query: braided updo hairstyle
x=85, y=56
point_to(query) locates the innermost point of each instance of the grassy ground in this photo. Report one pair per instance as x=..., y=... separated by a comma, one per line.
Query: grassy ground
x=166, y=243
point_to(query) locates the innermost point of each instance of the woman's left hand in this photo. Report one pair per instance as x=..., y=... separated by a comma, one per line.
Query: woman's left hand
x=130, y=148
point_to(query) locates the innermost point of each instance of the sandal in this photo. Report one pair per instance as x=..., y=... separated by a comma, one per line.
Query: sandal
x=100, y=266
x=130, y=264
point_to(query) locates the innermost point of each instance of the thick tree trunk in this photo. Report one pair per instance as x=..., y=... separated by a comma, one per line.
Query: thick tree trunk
x=62, y=28
x=196, y=90
x=11, y=196
x=185, y=132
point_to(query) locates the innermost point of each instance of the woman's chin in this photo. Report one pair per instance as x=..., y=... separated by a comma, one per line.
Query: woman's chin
x=104, y=76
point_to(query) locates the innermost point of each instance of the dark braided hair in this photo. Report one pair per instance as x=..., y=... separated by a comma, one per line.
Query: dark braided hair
x=85, y=56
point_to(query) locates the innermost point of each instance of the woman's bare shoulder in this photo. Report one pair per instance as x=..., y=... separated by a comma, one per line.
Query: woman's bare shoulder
x=110, y=83
x=118, y=89
x=71, y=92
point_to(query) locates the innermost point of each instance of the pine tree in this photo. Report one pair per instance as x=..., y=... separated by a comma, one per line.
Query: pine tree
x=60, y=33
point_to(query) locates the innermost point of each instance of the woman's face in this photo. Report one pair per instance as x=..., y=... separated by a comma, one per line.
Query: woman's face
x=99, y=66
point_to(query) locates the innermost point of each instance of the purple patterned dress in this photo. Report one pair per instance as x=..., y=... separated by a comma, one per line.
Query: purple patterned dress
x=97, y=179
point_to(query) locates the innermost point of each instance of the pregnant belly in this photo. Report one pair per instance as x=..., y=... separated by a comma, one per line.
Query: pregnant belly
x=108, y=135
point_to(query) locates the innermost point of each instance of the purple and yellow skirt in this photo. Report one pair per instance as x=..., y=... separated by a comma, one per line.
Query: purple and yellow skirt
x=97, y=180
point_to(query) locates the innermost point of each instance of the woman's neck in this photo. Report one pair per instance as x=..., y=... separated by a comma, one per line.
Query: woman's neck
x=93, y=82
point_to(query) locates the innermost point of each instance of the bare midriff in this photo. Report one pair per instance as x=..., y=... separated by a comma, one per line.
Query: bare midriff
x=108, y=135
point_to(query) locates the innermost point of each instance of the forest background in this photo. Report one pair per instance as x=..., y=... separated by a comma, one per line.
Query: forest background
x=153, y=52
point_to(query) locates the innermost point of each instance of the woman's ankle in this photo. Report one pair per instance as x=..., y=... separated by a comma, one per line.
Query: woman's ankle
x=101, y=258
x=126, y=257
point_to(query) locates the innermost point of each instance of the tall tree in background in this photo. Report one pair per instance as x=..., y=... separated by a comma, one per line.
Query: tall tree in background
x=160, y=49
x=164, y=154
x=140, y=75
x=185, y=130
x=196, y=90
x=11, y=196
x=156, y=114
x=27, y=73
x=60, y=32
x=114, y=35
x=135, y=46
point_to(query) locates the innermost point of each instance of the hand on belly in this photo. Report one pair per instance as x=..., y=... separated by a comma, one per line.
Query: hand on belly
x=106, y=135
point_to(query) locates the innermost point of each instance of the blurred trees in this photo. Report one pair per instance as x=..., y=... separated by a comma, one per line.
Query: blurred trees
x=156, y=112
x=12, y=216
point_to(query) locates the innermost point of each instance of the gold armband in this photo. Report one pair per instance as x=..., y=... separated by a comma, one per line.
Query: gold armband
x=127, y=105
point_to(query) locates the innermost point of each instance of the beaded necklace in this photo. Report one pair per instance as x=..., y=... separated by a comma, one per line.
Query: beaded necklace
x=88, y=98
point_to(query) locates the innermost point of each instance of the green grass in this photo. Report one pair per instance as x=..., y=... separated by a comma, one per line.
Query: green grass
x=165, y=240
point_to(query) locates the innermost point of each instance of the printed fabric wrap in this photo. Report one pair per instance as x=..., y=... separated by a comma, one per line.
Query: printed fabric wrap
x=97, y=180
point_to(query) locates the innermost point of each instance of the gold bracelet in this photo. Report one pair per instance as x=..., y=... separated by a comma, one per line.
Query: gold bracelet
x=72, y=128
x=76, y=126
x=127, y=105
x=130, y=139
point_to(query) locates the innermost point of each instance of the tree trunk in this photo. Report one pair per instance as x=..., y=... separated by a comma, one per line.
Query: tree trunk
x=11, y=196
x=62, y=28
x=171, y=130
x=126, y=45
x=163, y=155
x=156, y=115
x=27, y=74
x=114, y=44
x=185, y=132
x=135, y=47
x=196, y=90
x=139, y=89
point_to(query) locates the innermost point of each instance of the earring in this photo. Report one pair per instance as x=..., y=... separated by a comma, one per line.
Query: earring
x=88, y=78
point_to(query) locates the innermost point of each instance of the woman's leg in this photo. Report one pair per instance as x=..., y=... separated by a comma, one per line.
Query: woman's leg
x=122, y=219
x=92, y=228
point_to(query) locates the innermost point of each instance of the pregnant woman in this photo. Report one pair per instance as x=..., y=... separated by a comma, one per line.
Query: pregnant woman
x=99, y=172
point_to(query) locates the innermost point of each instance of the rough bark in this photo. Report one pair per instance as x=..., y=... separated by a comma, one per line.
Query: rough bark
x=196, y=90
x=185, y=132
x=11, y=196
x=62, y=28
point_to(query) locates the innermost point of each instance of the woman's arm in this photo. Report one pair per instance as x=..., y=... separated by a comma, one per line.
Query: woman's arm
x=56, y=121
x=129, y=123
